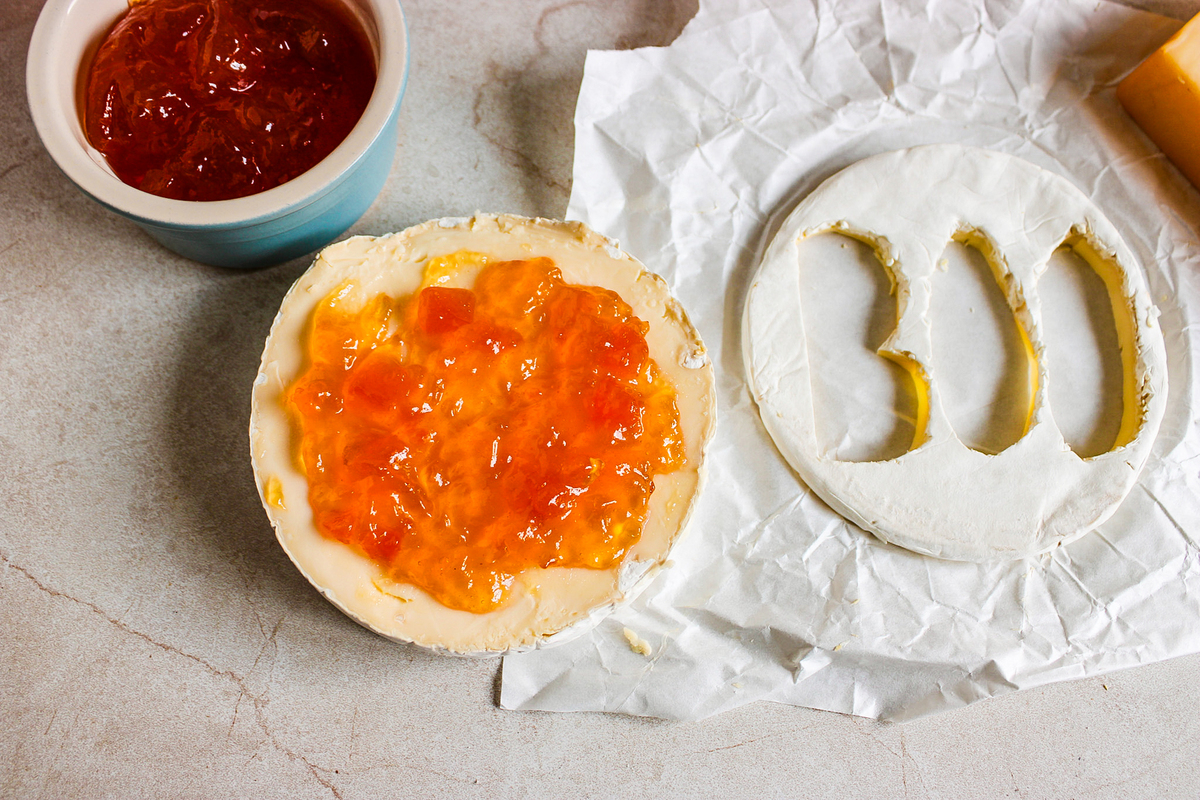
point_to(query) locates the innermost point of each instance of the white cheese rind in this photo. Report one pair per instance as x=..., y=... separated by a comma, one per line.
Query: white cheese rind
x=942, y=498
x=546, y=605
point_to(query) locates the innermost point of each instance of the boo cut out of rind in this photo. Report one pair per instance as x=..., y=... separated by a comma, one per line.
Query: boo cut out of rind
x=942, y=498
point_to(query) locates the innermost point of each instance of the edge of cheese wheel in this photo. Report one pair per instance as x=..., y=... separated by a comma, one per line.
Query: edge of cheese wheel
x=545, y=606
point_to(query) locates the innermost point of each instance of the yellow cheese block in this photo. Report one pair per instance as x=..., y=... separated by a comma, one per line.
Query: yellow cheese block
x=1163, y=95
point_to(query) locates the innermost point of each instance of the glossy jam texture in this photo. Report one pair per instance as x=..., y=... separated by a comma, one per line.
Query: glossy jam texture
x=461, y=437
x=216, y=99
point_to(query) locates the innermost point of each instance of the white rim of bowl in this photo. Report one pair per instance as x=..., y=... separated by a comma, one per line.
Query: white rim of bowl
x=44, y=67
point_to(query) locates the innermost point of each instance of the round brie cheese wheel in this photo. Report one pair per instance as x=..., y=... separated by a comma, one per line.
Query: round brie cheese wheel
x=544, y=605
x=942, y=498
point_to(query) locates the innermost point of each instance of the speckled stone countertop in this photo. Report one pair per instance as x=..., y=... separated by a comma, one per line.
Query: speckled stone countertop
x=156, y=642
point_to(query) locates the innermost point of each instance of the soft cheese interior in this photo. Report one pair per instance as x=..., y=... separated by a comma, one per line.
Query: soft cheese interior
x=546, y=605
x=942, y=498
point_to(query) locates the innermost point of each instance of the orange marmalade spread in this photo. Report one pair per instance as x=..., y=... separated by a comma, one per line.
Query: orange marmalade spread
x=459, y=437
x=216, y=99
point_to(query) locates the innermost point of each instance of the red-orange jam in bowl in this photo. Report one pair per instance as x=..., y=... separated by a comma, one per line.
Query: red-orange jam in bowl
x=461, y=437
x=216, y=99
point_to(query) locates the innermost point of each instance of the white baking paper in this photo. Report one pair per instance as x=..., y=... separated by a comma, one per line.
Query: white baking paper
x=691, y=155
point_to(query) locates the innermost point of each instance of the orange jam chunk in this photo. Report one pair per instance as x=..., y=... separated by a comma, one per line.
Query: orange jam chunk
x=460, y=437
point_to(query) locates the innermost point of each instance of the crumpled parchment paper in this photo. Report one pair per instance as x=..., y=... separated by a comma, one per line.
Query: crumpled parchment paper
x=691, y=155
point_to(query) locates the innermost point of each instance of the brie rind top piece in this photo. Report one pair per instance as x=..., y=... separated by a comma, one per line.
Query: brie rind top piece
x=942, y=498
x=545, y=605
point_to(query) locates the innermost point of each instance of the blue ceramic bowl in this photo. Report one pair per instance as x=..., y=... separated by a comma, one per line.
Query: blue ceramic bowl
x=266, y=228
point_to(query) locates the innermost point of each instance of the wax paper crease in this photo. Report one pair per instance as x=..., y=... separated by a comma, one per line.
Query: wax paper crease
x=690, y=156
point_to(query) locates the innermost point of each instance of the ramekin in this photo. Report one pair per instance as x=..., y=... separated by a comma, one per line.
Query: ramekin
x=262, y=229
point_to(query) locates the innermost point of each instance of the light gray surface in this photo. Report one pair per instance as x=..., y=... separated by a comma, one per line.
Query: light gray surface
x=157, y=642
